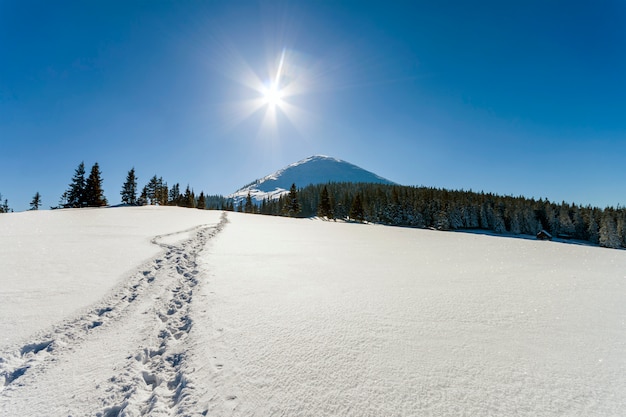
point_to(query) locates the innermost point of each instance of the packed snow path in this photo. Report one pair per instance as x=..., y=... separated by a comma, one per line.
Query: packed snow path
x=131, y=373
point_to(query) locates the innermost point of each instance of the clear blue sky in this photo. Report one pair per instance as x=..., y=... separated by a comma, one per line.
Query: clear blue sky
x=521, y=98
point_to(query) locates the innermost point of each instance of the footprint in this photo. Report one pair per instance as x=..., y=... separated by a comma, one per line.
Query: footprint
x=36, y=347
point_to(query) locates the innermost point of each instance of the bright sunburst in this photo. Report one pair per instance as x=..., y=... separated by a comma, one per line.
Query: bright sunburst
x=272, y=96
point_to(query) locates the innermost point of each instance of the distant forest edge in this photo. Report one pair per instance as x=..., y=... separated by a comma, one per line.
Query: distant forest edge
x=395, y=205
x=425, y=207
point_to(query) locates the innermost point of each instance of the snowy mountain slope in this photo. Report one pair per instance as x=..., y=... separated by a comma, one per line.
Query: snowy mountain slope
x=256, y=315
x=316, y=169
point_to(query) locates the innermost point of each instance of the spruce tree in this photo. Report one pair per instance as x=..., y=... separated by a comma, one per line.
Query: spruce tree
x=201, y=201
x=189, y=199
x=324, y=209
x=356, y=209
x=36, y=201
x=76, y=192
x=129, y=189
x=291, y=205
x=174, y=195
x=143, y=197
x=4, y=205
x=94, y=195
x=592, y=229
x=249, y=208
x=608, y=232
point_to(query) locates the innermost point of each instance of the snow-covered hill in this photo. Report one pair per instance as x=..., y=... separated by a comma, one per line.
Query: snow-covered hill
x=163, y=311
x=316, y=169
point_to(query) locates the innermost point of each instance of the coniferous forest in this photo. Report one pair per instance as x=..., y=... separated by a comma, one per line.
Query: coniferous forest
x=441, y=209
x=395, y=205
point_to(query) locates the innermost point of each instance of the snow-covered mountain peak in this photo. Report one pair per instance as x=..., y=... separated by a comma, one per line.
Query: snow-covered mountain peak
x=316, y=169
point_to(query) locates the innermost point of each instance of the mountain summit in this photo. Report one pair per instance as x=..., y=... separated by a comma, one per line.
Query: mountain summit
x=317, y=169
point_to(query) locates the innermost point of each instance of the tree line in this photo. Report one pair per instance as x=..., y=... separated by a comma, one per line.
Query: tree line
x=88, y=192
x=426, y=207
x=422, y=207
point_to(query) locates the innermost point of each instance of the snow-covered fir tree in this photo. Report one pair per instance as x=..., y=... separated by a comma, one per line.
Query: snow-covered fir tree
x=608, y=232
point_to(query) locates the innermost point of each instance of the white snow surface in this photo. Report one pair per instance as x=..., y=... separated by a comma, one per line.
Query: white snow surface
x=248, y=315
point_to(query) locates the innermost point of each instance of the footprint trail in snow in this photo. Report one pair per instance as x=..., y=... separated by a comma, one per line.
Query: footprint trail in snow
x=139, y=334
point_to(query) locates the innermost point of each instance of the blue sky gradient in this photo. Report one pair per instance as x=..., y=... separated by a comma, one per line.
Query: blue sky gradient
x=518, y=98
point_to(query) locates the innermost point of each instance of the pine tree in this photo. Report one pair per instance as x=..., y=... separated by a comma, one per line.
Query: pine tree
x=592, y=229
x=621, y=228
x=324, y=209
x=94, y=195
x=291, y=205
x=76, y=192
x=248, y=208
x=174, y=195
x=201, y=201
x=189, y=199
x=157, y=191
x=565, y=221
x=36, y=201
x=143, y=197
x=4, y=205
x=129, y=189
x=608, y=232
x=356, y=209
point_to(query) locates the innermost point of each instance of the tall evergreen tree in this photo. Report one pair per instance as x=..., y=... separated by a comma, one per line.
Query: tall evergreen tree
x=162, y=195
x=36, y=201
x=129, y=189
x=356, y=210
x=291, y=206
x=94, y=195
x=4, y=205
x=174, y=195
x=608, y=232
x=249, y=208
x=324, y=209
x=76, y=192
x=592, y=229
x=143, y=196
x=201, y=201
x=189, y=199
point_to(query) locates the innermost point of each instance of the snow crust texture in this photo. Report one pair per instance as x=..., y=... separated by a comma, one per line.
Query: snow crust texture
x=337, y=319
x=247, y=315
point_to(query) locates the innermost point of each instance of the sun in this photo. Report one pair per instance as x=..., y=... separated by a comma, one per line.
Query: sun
x=272, y=95
x=275, y=97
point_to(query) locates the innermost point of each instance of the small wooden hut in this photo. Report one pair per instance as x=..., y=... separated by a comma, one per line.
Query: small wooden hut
x=544, y=235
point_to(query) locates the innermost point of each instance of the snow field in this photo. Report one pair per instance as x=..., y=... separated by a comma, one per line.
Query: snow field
x=53, y=263
x=324, y=319
x=123, y=355
x=163, y=311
